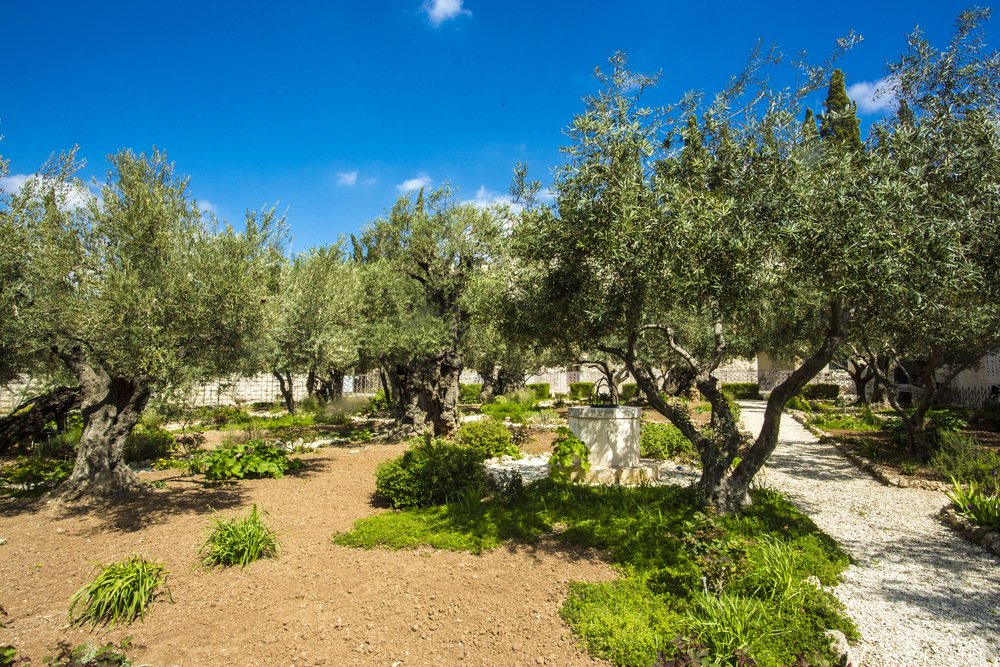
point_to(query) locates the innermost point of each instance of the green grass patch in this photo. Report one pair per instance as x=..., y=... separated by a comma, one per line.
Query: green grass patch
x=754, y=565
x=866, y=420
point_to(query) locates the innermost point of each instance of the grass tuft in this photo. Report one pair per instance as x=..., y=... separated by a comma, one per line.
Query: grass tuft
x=120, y=592
x=240, y=540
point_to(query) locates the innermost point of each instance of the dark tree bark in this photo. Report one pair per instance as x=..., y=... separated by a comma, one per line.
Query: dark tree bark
x=861, y=373
x=915, y=422
x=722, y=490
x=425, y=395
x=385, y=386
x=285, y=387
x=499, y=380
x=332, y=386
x=30, y=418
x=111, y=407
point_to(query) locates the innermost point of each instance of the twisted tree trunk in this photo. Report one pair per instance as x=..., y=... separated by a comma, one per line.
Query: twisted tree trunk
x=111, y=407
x=424, y=394
x=30, y=418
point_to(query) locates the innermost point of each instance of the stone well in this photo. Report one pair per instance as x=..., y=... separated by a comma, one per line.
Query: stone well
x=611, y=434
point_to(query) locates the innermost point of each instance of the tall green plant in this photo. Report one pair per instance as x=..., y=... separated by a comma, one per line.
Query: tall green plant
x=120, y=592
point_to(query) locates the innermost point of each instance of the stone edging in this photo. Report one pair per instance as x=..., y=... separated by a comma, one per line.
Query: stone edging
x=885, y=475
x=987, y=538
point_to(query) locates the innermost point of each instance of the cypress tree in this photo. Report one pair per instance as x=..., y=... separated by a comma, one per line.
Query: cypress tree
x=839, y=124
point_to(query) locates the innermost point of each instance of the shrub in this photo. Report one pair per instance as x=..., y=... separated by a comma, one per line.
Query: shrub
x=488, y=437
x=120, y=592
x=742, y=389
x=500, y=411
x=62, y=446
x=541, y=390
x=256, y=459
x=377, y=403
x=144, y=444
x=963, y=457
x=821, y=391
x=364, y=435
x=240, y=540
x=34, y=473
x=662, y=441
x=629, y=390
x=544, y=417
x=469, y=393
x=797, y=403
x=227, y=414
x=428, y=473
x=865, y=421
x=581, y=390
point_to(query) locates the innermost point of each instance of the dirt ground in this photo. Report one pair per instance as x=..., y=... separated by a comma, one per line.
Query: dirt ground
x=317, y=604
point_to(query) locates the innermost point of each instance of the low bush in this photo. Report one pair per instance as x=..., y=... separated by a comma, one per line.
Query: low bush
x=60, y=446
x=963, y=457
x=798, y=403
x=629, y=390
x=749, y=390
x=377, y=403
x=255, y=460
x=544, y=417
x=581, y=390
x=429, y=473
x=144, y=444
x=87, y=655
x=240, y=540
x=487, y=437
x=362, y=435
x=224, y=414
x=120, y=592
x=820, y=391
x=541, y=390
x=517, y=412
x=469, y=393
x=866, y=420
x=35, y=474
x=662, y=440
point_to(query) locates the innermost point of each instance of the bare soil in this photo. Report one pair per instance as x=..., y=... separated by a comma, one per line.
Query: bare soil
x=317, y=604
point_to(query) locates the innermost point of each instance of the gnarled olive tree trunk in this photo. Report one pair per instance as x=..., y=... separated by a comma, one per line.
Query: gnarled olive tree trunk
x=111, y=407
x=285, y=387
x=424, y=394
x=30, y=418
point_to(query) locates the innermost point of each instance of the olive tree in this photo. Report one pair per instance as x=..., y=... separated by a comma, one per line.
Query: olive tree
x=941, y=147
x=420, y=264
x=133, y=291
x=311, y=322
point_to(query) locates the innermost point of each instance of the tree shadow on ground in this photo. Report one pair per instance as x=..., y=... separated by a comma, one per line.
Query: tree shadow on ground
x=184, y=496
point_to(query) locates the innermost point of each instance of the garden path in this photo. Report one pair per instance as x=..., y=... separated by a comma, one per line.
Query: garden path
x=918, y=592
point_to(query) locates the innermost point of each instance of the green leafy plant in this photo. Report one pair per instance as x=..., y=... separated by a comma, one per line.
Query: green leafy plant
x=660, y=440
x=240, y=540
x=749, y=390
x=107, y=655
x=629, y=391
x=34, y=474
x=487, y=437
x=840, y=422
x=869, y=449
x=428, y=473
x=8, y=655
x=544, y=417
x=821, y=391
x=976, y=504
x=568, y=456
x=256, y=459
x=120, y=592
x=962, y=456
x=469, y=393
x=364, y=435
x=541, y=390
x=144, y=444
x=908, y=468
x=798, y=403
x=581, y=390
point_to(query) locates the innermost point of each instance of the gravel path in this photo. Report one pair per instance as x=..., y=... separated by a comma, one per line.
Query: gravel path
x=919, y=593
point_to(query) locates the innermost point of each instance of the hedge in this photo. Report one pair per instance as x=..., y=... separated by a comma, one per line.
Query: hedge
x=629, y=390
x=742, y=389
x=541, y=390
x=820, y=391
x=469, y=393
x=581, y=390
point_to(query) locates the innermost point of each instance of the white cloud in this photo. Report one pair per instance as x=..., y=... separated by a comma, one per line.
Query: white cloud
x=440, y=11
x=206, y=206
x=74, y=195
x=873, y=97
x=349, y=178
x=486, y=198
x=421, y=181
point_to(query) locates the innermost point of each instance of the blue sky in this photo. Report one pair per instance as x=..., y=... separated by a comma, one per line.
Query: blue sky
x=331, y=110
